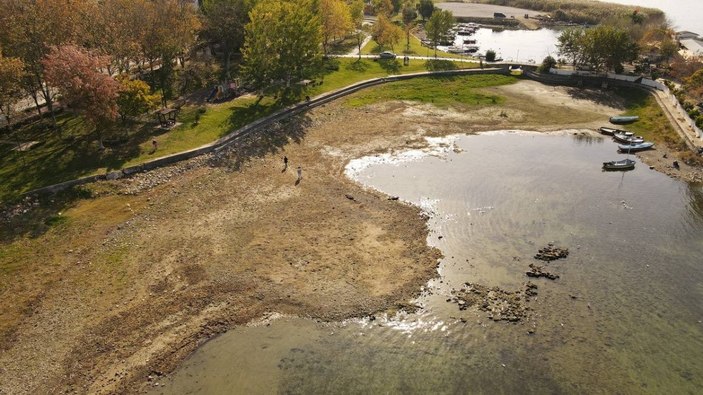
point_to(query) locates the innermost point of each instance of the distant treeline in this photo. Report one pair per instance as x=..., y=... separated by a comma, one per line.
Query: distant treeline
x=585, y=11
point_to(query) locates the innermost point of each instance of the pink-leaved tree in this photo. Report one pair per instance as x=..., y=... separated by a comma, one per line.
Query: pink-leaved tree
x=76, y=73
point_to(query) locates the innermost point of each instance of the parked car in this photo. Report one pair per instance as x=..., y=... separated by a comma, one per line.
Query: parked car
x=386, y=55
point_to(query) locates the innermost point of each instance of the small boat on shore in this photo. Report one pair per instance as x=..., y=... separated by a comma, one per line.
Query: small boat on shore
x=625, y=139
x=611, y=131
x=624, y=119
x=635, y=147
x=625, y=164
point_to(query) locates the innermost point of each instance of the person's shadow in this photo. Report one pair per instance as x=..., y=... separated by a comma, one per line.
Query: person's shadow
x=297, y=182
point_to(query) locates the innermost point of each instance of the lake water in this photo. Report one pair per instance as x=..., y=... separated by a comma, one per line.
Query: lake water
x=514, y=45
x=685, y=14
x=626, y=316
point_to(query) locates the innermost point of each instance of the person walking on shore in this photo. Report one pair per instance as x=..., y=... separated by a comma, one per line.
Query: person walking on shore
x=285, y=163
x=300, y=174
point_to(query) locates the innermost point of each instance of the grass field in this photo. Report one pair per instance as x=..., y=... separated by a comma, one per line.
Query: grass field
x=416, y=48
x=653, y=124
x=440, y=91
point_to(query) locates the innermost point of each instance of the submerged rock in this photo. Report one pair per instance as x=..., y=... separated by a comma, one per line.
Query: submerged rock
x=538, y=271
x=551, y=253
x=500, y=304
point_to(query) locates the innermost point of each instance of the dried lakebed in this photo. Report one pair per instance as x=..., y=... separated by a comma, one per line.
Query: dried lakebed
x=625, y=314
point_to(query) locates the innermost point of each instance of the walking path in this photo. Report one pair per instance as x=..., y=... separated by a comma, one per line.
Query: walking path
x=672, y=112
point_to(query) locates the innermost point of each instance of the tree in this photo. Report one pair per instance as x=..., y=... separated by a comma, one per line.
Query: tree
x=548, y=63
x=409, y=17
x=336, y=20
x=607, y=48
x=113, y=29
x=438, y=27
x=75, y=72
x=570, y=44
x=135, y=98
x=224, y=22
x=11, y=74
x=356, y=10
x=386, y=33
x=383, y=7
x=282, y=46
x=602, y=47
x=668, y=48
x=490, y=55
x=29, y=30
x=425, y=8
x=170, y=28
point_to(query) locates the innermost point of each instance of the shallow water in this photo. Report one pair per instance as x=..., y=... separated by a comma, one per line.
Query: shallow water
x=634, y=326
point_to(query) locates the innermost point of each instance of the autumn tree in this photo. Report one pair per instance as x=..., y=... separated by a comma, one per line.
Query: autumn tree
x=30, y=28
x=11, y=74
x=383, y=8
x=170, y=28
x=135, y=98
x=282, y=46
x=438, y=27
x=75, y=72
x=114, y=28
x=224, y=22
x=425, y=8
x=356, y=11
x=386, y=33
x=336, y=20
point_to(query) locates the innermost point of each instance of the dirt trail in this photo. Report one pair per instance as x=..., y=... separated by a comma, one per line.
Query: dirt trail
x=132, y=282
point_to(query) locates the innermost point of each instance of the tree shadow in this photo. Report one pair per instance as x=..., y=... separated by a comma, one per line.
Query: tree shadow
x=34, y=216
x=343, y=46
x=358, y=65
x=389, y=65
x=605, y=98
x=262, y=142
x=440, y=65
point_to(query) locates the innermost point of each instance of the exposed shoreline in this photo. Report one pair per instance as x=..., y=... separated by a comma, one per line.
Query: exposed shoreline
x=183, y=256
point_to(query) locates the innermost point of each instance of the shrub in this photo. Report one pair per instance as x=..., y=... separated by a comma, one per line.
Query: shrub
x=548, y=63
x=490, y=55
x=439, y=64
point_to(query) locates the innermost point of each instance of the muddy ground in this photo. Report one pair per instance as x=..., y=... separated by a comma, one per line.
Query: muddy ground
x=127, y=284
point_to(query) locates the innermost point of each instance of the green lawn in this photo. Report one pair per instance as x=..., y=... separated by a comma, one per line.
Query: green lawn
x=653, y=125
x=440, y=91
x=416, y=48
x=353, y=70
x=75, y=152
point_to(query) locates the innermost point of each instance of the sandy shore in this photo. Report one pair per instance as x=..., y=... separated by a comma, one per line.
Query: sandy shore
x=134, y=280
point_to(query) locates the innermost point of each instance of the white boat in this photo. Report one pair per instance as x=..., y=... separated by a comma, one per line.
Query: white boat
x=635, y=147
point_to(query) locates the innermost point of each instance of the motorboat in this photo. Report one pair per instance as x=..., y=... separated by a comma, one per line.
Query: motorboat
x=624, y=164
x=624, y=138
x=624, y=119
x=611, y=131
x=635, y=147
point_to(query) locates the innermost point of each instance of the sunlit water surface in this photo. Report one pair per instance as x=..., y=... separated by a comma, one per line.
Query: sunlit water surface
x=625, y=316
